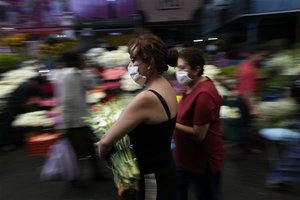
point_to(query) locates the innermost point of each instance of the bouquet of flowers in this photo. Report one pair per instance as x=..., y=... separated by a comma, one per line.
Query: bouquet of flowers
x=123, y=160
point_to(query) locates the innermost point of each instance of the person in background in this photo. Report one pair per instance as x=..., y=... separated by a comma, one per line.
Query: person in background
x=247, y=92
x=18, y=103
x=71, y=84
x=199, y=151
x=287, y=169
x=149, y=119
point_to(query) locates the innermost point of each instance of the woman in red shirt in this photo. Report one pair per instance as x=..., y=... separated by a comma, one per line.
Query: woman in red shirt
x=199, y=151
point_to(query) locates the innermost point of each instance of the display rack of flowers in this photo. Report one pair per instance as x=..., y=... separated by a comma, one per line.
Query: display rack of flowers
x=280, y=70
x=55, y=46
x=109, y=59
x=16, y=42
x=12, y=79
x=123, y=160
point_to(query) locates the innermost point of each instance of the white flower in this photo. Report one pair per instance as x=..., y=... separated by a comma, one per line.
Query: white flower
x=227, y=112
x=95, y=97
x=6, y=90
x=34, y=119
x=211, y=71
x=283, y=61
x=113, y=58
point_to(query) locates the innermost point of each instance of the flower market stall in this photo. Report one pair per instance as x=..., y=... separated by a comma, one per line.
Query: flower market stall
x=107, y=101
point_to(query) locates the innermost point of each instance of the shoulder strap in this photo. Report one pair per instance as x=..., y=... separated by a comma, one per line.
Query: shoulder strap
x=163, y=102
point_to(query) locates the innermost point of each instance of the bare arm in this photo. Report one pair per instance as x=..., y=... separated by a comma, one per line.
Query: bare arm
x=203, y=115
x=197, y=132
x=134, y=114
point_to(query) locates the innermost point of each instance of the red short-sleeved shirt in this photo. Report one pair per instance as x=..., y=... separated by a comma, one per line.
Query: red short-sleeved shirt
x=246, y=78
x=200, y=107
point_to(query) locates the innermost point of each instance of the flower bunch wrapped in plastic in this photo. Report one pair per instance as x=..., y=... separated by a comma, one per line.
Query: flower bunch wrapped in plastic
x=123, y=160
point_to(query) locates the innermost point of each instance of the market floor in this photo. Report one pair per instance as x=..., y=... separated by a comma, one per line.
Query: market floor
x=19, y=180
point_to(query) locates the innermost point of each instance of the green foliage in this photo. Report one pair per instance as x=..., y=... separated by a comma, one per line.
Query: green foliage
x=9, y=62
x=273, y=82
x=292, y=52
x=279, y=71
x=228, y=70
x=123, y=161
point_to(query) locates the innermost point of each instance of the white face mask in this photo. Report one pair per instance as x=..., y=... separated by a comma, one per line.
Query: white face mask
x=133, y=71
x=182, y=77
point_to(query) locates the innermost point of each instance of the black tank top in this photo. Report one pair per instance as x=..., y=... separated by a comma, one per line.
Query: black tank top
x=151, y=142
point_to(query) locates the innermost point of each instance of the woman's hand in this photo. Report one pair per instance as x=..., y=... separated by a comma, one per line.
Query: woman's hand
x=102, y=149
x=105, y=156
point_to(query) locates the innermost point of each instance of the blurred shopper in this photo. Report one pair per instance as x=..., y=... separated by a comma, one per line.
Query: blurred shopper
x=287, y=169
x=71, y=84
x=199, y=149
x=149, y=119
x=247, y=92
x=18, y=102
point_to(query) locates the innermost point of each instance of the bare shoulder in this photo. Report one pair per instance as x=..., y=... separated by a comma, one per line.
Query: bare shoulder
x=168, y=96
x=144, y=98
x=140, y=106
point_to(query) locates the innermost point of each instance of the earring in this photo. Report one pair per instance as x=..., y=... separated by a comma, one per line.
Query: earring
x=149, y=68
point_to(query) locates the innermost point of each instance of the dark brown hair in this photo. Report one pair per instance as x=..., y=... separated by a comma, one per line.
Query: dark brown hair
x=151, y=50
x=73, y=58
x=194, y=57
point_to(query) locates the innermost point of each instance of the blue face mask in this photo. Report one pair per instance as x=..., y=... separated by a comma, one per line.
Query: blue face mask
x=183, y=78
x=133, y=71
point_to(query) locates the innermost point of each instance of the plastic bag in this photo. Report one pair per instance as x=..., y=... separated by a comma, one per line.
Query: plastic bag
x=61, y=163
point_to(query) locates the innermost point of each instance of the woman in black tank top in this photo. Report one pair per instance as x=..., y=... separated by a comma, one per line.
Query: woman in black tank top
x=149, y=120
